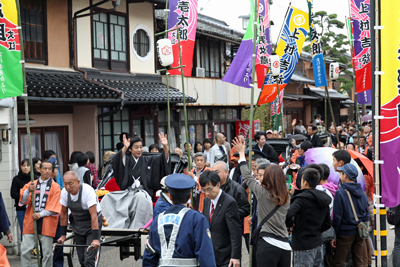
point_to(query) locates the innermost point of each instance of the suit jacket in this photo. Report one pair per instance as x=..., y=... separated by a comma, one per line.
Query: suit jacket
x=315, y=141
x=225, y=228
x=269, y=151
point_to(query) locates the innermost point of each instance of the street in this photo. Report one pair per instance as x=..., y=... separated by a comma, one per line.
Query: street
x=110, y=256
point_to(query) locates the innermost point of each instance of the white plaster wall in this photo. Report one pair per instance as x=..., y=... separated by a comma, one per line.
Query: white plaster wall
x=141, y=13
x=214, y=91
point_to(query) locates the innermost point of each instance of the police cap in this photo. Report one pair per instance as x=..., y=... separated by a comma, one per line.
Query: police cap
x=179, y=184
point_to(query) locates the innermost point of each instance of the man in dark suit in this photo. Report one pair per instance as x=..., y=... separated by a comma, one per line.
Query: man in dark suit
x=221, y=210
x=313, y=137
x=268, y=150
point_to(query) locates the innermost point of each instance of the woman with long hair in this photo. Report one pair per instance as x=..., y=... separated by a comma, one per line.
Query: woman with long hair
x=273, y=242
x=23, y=177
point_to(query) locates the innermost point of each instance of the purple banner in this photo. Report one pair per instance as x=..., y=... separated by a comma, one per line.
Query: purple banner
x=364, y=97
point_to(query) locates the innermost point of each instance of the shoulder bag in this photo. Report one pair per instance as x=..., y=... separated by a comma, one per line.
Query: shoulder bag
x=361, y=226
x=256, y=232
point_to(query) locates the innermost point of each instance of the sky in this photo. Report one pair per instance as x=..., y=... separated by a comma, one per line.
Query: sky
x=230, y=10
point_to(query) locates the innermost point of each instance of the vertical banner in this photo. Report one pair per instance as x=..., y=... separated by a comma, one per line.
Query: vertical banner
x=183, y=13
x=11, y=81
x=291, y=40
x=240, y=71
x=316, y=52
x=263, y=42
x=390, y=102
x=359, y=10
x=276, y=111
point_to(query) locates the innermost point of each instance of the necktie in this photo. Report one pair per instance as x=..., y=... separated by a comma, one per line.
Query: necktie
x=212, y=211
x=222, y=149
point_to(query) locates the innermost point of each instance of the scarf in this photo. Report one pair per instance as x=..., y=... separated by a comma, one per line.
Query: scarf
x=45, y=195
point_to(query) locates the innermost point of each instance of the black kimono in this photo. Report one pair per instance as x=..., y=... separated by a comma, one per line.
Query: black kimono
x=151, y=169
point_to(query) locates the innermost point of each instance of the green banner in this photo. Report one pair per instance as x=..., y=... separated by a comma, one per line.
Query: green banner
x=11, y=80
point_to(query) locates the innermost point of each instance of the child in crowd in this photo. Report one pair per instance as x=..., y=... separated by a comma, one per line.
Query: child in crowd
x=309, y=216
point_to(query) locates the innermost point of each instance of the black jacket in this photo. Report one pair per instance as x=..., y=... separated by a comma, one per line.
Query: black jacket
x=269, y=151
x=17, y=183
x=309, y=211
x=315, y=141
x=225, y=228
x=236, y=191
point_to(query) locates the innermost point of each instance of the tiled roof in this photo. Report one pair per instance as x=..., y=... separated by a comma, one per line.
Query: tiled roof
x=65, y=84
x=211, y=26
x=139, y=88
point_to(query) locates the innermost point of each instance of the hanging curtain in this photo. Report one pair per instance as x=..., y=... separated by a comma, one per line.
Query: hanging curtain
x=35, y=143
x=53, y=142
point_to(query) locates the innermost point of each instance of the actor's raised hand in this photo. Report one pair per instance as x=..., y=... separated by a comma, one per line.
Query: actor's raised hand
x=163, y=139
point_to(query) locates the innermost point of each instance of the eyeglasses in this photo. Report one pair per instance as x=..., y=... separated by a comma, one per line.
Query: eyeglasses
x=206, y=190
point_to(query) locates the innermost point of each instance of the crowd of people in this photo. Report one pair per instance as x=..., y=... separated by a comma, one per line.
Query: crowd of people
x=307, y=221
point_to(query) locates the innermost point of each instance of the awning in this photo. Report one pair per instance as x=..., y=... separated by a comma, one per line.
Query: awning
x=333, y=94
x=98, y=87
x=299, y=97
x=300, y=77
x=139, y=88
x=347, y=102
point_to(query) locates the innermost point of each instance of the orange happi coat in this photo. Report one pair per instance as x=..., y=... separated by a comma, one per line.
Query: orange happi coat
x=53, y=204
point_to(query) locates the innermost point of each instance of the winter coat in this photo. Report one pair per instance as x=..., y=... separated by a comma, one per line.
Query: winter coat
x=344, y=221
x=17, y=183
x=309, y=211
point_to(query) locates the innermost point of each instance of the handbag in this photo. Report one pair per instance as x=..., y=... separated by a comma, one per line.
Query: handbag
x=361, y=226
x=256, y=232
x=328, y=235
x=393, y=215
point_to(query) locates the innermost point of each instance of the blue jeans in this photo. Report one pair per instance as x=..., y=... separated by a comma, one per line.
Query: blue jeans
x=396, y=249
x=308, y=258
x=20, y=217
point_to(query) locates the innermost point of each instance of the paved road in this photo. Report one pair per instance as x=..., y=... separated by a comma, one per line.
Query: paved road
x=110, y=256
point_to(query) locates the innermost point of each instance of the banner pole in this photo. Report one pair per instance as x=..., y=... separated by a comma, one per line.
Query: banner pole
x=253, y=72
x=167, y=78
x=28, y=130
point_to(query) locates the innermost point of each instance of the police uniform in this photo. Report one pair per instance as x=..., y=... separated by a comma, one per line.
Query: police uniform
x=179, y=236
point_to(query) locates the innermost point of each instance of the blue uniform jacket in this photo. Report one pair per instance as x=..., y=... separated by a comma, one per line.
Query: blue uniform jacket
x=160, y=206
x=193, y=240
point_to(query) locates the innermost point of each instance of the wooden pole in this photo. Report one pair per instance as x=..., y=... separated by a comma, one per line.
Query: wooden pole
x=332, y=114
x=254, y=84
x=167, y=78
x=28, y=130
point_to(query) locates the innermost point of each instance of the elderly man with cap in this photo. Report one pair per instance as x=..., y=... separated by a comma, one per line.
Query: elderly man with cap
x=200, y=160
x=179, y=236
x=164, y=202
x=344, y=223
x=86, y=218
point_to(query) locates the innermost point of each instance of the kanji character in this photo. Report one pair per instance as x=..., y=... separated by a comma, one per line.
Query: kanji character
x=182, y=21
x=314, y=35
x=262, y=39
x=183, y=34
x=263, y=60
x=316, y=48
x=285, y=64
x=363, y=8
x=263, y=50
x=261, y=19
x=11, y=46
x=1, y=11
x=289, y=49
x=294, y=34
x=398, y=52
x=261, y=28
x=183, y=6
x=366, y=58
x=279, y=79
x=365, y=42
x=364, y=25
x=3, y=37
x=10, y=35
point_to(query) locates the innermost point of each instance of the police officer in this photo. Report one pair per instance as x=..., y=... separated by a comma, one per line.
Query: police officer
x=179, y=236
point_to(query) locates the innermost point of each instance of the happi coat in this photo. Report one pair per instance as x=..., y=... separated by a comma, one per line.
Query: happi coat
x=49, y=223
